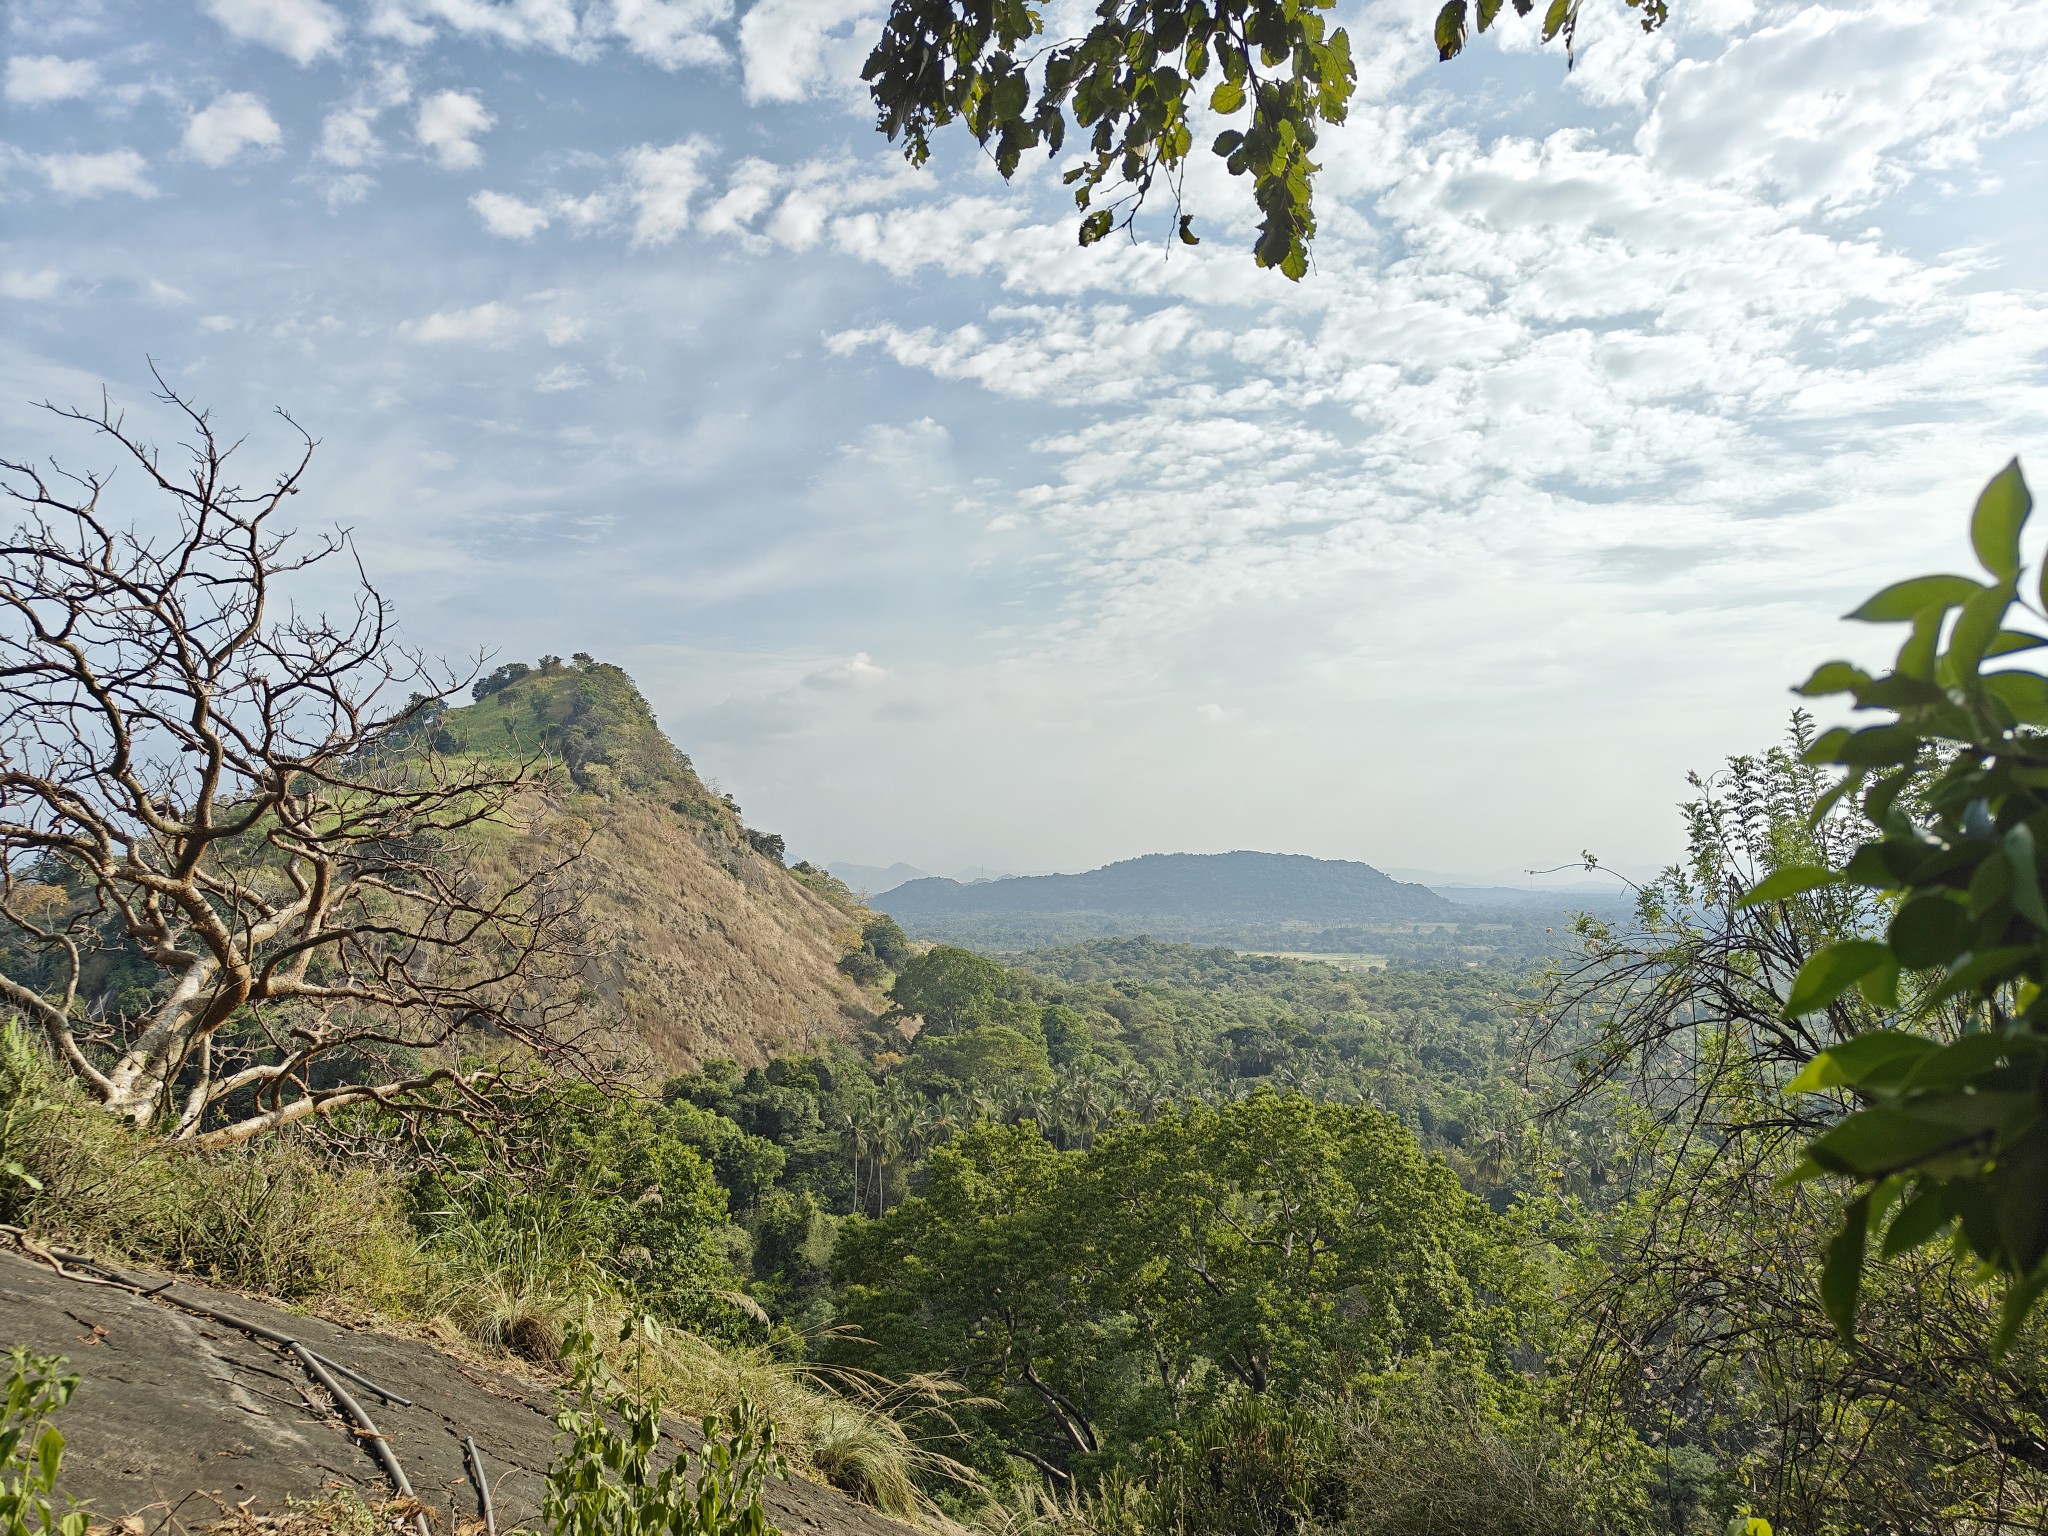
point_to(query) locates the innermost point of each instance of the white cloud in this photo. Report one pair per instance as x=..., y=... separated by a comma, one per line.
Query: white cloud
x=301, y=30
x=561, y=377
x=588, y=213
x=549, y=24
x=31, y=287
x=790, y=47
x=1835, y=107
x=348, y=137
x=348, y=133
x=857, y=671
x=33, y=79
x=117, y=170
x=447, y=126
x=484, y=322
x=749, y=192
x=661, y=184
x=508, y=217
x=235, y=121
x=671, y=33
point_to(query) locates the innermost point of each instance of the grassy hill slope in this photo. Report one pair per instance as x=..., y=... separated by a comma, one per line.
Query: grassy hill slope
x=700, y=943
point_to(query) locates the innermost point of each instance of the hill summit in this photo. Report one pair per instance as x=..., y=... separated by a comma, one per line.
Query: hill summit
x=698, y=942
x=1191, y=895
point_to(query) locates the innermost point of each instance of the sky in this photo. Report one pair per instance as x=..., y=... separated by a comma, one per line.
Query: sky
x=935, y=537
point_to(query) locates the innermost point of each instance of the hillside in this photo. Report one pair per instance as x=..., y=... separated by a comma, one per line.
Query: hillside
x=1219, y=898
x=700, y=943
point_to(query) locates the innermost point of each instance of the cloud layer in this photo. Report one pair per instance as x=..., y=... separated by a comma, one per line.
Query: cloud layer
x=628, y=335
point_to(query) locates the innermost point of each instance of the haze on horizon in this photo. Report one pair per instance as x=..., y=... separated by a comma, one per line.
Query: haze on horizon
x=933, y=538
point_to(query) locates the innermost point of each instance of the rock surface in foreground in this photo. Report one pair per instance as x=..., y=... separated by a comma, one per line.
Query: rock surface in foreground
x=179, y=1416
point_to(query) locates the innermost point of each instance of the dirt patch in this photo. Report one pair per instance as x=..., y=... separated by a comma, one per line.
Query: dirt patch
x=177, y=1417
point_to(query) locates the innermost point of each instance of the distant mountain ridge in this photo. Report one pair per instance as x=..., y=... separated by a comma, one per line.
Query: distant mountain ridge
x=1186, y=888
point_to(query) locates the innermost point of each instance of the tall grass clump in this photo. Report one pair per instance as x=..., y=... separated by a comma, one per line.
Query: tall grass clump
x=271, y=1216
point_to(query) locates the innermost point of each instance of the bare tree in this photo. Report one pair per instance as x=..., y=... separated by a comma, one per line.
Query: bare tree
x=196, y=773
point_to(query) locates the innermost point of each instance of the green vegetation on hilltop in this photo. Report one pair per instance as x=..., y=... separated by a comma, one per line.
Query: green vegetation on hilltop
x=586, y=713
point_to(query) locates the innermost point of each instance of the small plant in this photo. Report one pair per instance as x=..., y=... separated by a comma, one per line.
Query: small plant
x=604, y=1482
x=31, y=1448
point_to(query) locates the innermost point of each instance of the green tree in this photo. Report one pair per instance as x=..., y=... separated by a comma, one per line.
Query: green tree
x=1108, y=1297
x=991, y=1059
x=985, y=1272
x=885, y=939
x=1695, y=1284
x=953, y=989
x=610, y=1182
x=1950, y=1135
x=1292, y=1243
x=1067, y=1036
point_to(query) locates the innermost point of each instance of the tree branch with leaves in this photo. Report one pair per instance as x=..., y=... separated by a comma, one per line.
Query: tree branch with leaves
x=1133, y=83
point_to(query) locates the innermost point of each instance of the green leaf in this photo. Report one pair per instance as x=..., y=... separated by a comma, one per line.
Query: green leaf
x=2008, y=642
x=2024, y=693
x=2020, y=1297
x=1875, y=1053
x=1833, y=677
x=1187, y=230
x=1881, y=987
x=1450, y=30
x=1227, y=97
x=1903, y=600
x=1488, y=9
x=1928, y=931
x=2026, y=880
x=1874, y=1142
x=1995, y=526
x=1901, y=690
x=1790, y=881
x=1919, y=1221
x=2020, y=1180
x=1980, y=620
x=1555, y=18
x=1877, y=746
x=1916, y=656
x=1990, y=965
x=1830, y=972
x=1842, y=1276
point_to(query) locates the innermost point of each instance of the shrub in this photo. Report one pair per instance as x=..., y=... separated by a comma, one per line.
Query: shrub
x=604, y=1481
x=32, y=1448
x=1435, y=1451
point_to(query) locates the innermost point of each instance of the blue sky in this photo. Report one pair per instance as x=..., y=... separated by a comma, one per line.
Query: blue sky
x=934, y=537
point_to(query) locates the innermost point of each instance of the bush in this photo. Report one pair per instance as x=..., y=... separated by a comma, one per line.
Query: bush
x=1434, y=1451
x=604, y=1481
x=32, y=1448
x=864, y=968
x=1251, y=1468
x=615, y=1201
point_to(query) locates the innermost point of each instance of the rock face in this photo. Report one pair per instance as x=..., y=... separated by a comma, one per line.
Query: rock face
x=176, y=1415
